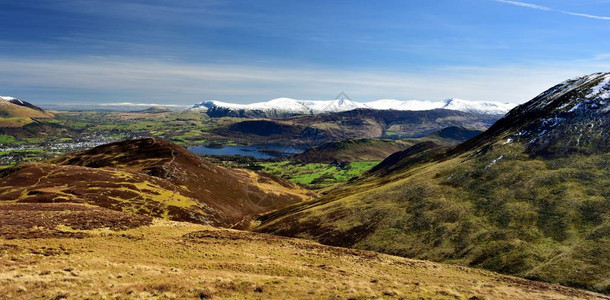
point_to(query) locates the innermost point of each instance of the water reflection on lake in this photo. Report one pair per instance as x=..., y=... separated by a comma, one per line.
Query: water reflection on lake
x=261, y=151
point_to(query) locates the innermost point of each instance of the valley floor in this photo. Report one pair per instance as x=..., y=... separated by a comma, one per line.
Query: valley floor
x=181, y=260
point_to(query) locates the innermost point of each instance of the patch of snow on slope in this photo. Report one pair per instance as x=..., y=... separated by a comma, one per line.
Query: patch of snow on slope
x=493, y=162
x=479, y=107
x=602, y=90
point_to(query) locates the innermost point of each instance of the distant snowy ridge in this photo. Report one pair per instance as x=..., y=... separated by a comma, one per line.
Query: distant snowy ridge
x=295, y=106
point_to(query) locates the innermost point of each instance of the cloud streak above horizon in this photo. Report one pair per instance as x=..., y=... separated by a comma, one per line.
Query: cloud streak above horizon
x=181, y=83
x=545, y=8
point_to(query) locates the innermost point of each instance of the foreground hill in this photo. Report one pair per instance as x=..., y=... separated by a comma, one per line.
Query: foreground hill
x=150, y=177
x=57, y=251
x=528, y=197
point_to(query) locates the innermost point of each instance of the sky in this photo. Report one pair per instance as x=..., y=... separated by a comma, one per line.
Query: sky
x=187, y=51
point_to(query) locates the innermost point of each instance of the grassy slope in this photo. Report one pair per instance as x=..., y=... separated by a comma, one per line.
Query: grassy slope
x=8, y=110
x=13, y=115
x=15, y=121
x=544, y=219
x=182, y=260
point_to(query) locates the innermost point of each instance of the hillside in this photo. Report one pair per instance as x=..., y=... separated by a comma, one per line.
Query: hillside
x=154, y=110
x=392, y=123
x=89, y=253
x=359, y=149
x=528, y=197
x=151, y=177
x=18, y=113
x=351, y=150
x=312, y=130
x=456, y=133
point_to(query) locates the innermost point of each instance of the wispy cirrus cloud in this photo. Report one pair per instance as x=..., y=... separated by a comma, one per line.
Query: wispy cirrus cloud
x=546, y=8
x=524, y=4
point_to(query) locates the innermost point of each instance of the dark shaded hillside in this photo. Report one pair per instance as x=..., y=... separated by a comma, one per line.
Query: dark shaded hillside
x=352, y=150
x=529, y=197
x=402, y=123
x=219, y=112
x=26, y=104
x=360, y=149
x=155, y=110
x=418, y=153
x=312, y=130
x=264, y=128
x=457, y=133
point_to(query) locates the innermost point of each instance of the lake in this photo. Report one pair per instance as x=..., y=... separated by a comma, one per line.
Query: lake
x=260, y=152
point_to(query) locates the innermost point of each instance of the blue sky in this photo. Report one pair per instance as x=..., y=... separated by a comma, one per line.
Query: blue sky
x=185, y=51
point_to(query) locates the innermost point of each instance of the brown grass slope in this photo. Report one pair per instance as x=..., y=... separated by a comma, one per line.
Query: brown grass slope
x=75, y=251
x=151, y=177
x=528, y=197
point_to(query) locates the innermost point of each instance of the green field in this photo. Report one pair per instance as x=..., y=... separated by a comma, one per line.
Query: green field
x=317, y=175
x=7, y=139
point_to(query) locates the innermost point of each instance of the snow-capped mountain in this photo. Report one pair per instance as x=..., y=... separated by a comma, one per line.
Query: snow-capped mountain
x=287, y=106
x=571, y=117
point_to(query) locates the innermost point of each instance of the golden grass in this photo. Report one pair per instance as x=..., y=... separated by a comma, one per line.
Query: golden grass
x=183, y=260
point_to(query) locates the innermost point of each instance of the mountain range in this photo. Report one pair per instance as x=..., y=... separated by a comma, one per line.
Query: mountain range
x=528, y=197
x=282, y=107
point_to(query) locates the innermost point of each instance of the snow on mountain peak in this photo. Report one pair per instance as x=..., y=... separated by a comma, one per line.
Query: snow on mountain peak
x=480, y=107
x=343, y=103
x=7, y=98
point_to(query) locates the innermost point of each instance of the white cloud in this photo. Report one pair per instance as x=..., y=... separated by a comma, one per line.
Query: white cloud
x=140, y=104
x=602, y=56
x=524, y=4
x=116, y=79
x=584, y=15
x=540, y=7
